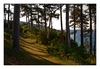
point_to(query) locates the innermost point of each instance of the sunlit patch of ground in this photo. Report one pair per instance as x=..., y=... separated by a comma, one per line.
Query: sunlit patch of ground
x=37, y=51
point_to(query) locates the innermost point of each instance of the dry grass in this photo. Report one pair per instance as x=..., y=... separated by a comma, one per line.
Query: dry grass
x=30, y=53
x=37, y=51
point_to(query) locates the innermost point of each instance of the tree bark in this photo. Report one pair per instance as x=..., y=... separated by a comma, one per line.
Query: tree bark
x=61, y=23
x=16, y=27
x=26, y=19
x=90, y=29
x=95, y=37
x=74, y=25
x=45, y=23
x=8, y=17
x=28, y=22
x=31, y=18
x=67, y=27
x=49, y=27
x=38, y=20
x=81, y=17
x=51, y=22
x=4, y=14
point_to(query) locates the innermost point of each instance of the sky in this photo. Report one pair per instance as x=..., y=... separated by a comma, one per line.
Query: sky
x=56, y=22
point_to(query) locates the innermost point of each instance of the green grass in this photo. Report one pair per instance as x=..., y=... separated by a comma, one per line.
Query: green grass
x=32, y=53
x=21, y=57
x=27, y=55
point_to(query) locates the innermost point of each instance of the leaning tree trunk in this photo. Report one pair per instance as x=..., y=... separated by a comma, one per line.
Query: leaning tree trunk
x=90, y=29
x=81, y=17
x=67, y=27
x=16, y=27
x=61, y=23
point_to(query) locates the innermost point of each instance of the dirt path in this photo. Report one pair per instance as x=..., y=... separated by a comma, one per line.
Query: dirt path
x=38, y=52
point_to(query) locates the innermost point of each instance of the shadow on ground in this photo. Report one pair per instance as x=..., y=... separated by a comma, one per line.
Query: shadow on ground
x=24, y=57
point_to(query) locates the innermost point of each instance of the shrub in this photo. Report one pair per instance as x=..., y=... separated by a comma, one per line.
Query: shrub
x=76, y=53
x=43, y=38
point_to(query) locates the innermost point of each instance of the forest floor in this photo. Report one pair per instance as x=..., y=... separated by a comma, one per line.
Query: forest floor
x=30, y=53
x=38, y=52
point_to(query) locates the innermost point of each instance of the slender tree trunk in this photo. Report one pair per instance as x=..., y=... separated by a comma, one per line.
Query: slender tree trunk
x=51, y=23
x=49, y=27
x=45, y=23
x=67, y=27
x=38, y=20
x=41, y=23
x=4, y=11
x=31, y=18
x=16, y=27
x=81, y=18
x=8, y=17
x=28, y=22
x=61, y=23
x=26, y=19
x=4, y=14
x=90, y=29
x=95, y=37
x=74, y=25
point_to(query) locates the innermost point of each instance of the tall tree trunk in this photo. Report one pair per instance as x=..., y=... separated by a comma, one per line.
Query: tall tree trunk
x=90, y=29
x=38, y=20
x=95, y=37
x=28, y=22
x=49, y=27
x=61, y=23
x=51, y=22
x=4, y=14
x=41, y=23
x=31, y=18
x=67, y=27
x=8, y=17
x=74, y=25
x=16, y=27
x=81, y=17
x=45, y=23
x=26, y=19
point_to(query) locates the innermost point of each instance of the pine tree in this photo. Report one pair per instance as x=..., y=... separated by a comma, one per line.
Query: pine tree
x=45, y=23
x=5, y=13
x=90, y=29
x=8, y=17
x=81, y=18
x=93, y=12
x=67, y=27
x=74, y=25
x=61, y=23
x=16, y=27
